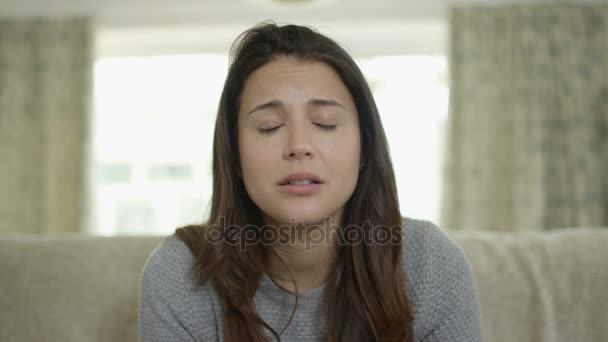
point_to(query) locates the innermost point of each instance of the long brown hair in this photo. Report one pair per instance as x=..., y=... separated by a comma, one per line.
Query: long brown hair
x=365, y=296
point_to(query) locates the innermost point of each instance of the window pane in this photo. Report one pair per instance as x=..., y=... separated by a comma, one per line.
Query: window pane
x=411, y=93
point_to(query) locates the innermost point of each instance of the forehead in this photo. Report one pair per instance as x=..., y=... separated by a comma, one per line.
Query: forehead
x=288, y=73
x=284, y=64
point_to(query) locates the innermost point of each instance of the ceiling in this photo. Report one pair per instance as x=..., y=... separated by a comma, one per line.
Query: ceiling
x=129, y=13
x=143, y=27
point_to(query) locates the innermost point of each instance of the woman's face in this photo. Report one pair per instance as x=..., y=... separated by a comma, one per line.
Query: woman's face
x=297, y=117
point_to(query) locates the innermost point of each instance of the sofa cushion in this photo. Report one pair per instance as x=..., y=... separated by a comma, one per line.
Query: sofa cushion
x=542, y=286
x=536, y=287
x=77, y=288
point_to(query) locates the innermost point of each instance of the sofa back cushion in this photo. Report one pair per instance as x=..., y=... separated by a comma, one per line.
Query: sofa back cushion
x=70, y=289
x=541, y=287
x=536, y=287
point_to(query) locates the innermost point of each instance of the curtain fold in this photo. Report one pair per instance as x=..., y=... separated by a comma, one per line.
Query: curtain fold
x=45, y=93
x=527, y=144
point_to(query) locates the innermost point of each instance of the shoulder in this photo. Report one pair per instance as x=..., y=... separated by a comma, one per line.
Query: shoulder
x=440, y=284
x=431, y=257
x=170, y=267
x=170, y=257
x=171, y=299
x=424, y=243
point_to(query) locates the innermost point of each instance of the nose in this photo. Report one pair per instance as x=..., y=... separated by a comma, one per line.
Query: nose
x=298, y=143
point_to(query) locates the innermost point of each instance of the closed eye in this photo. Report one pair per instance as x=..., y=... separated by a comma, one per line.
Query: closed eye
x=268, y=131
x=326, y=127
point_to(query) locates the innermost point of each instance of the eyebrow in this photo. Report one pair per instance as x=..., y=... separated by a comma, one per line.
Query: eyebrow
x=312, y=102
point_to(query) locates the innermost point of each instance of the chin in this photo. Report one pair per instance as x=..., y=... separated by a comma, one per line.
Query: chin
x=307, y=217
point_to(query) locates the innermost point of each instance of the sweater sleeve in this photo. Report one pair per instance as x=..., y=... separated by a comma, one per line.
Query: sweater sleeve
x=452, y=312
x=163, y=296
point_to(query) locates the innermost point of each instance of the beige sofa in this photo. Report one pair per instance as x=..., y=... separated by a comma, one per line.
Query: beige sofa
x=533, y=287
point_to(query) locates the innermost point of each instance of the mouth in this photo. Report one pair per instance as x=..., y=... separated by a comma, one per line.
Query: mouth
x=301, y=184
x=301, y=187
x=301, y=178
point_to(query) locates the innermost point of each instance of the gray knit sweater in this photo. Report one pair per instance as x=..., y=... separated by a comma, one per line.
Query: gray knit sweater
x=439, y=279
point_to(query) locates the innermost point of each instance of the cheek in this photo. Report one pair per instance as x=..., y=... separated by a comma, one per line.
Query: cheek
x=255, y=156
x=344, y=156
x=349, y=147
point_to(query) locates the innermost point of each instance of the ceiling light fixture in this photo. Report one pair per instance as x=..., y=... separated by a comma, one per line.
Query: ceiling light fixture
x=291, y=4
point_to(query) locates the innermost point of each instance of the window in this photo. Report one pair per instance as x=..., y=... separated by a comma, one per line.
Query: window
x=153, y=127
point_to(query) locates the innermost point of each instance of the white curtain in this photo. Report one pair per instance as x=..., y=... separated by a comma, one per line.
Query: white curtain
x=527, y=145
x=45, y=92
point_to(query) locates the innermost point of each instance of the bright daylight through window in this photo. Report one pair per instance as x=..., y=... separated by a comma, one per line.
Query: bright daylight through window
x=150, y=169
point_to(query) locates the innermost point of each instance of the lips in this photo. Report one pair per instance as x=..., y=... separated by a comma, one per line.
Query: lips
x=300, y=177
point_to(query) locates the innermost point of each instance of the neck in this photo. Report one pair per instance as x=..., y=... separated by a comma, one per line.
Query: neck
x=307, y=256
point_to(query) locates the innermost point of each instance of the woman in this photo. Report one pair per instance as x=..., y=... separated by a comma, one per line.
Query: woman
x=304, y=241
